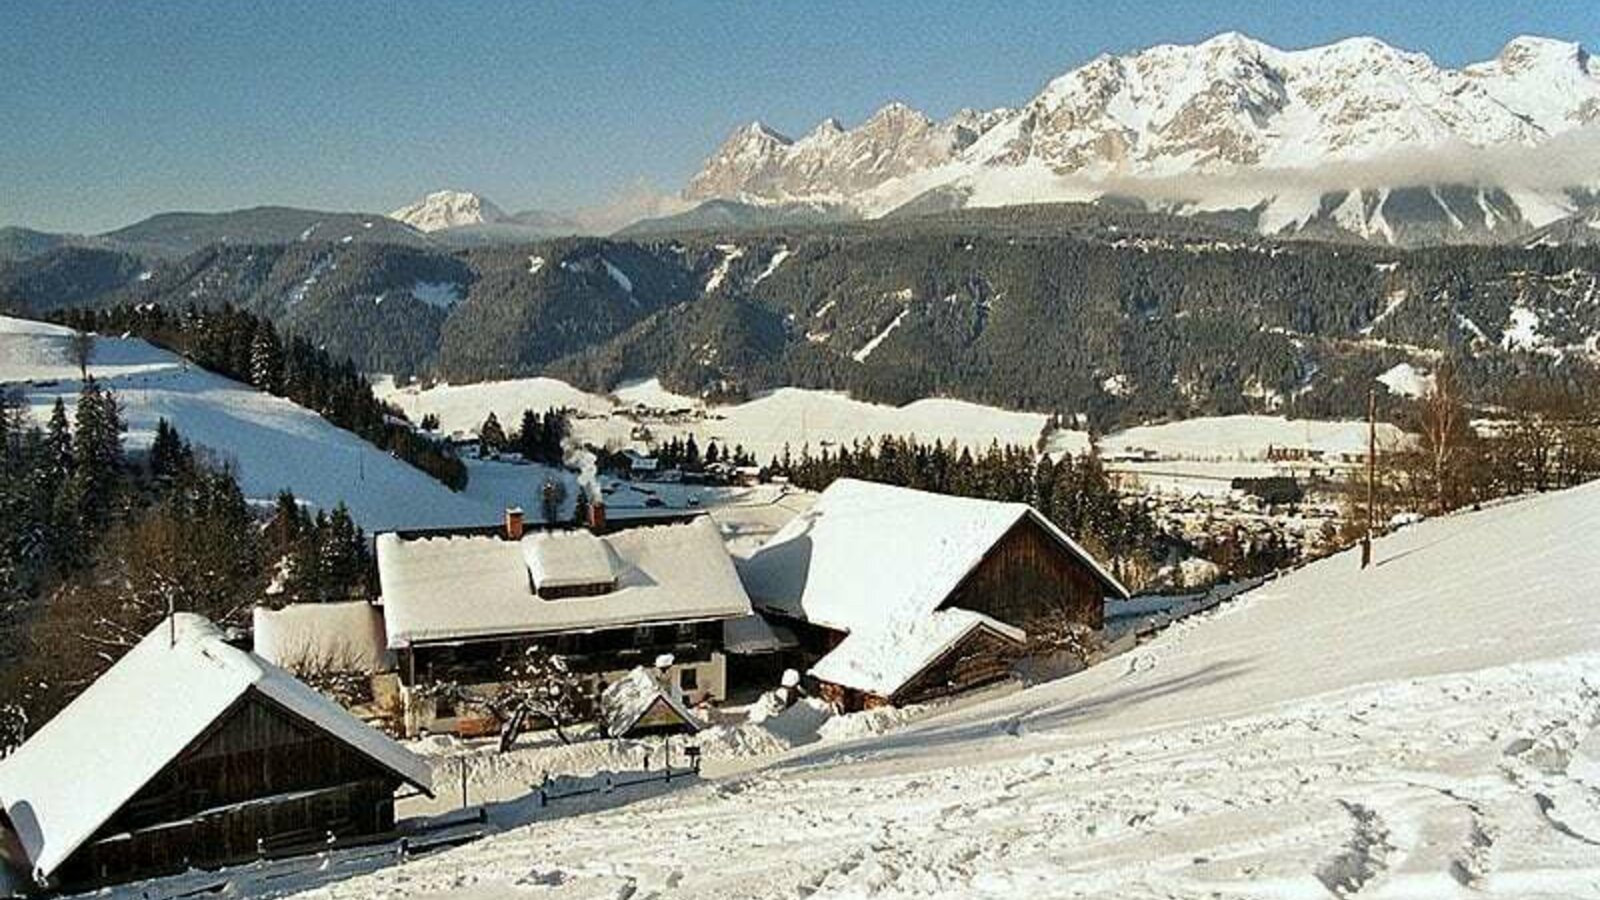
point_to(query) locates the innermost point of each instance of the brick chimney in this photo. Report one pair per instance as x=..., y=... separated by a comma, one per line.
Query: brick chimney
x=514, y=523
x=597, y=516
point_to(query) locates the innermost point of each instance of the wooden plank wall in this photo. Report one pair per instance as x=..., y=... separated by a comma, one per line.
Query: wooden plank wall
x=1028, y=575
x=256, y=750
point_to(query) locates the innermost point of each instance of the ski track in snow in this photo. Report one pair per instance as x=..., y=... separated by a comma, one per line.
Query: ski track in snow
x=866, y=349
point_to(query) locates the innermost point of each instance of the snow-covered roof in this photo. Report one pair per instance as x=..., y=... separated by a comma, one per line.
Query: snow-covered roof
x=867, y=553
x=88, y=761
x=346, y=637
x=627, y=701
x=452, y=588
x=560, y=559
x=883, y=660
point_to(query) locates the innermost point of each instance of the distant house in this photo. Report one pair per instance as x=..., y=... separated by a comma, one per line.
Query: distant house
x=871, y=569
x=463, y=609
x=190, y=752
x=640, y=465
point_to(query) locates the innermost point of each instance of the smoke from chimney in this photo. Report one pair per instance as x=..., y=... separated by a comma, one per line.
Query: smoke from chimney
x=578, y=458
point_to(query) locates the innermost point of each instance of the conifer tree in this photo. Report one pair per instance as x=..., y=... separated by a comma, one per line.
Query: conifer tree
x=491, y=436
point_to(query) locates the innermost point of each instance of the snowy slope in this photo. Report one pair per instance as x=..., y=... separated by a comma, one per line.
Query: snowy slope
x=1428, y=728
x=273, y=443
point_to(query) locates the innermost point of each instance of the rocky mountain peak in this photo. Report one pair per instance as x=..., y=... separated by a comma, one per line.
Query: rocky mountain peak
x=448, y=209
x=1227, y=105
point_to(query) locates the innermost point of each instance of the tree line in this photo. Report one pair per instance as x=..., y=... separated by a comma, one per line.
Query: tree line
x=1537, y=435
x=539, y=437
x=1074, y=492
x=248, y=348
x=101, y=545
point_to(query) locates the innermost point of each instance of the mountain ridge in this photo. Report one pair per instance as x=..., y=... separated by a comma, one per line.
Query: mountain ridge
x=1230, y=105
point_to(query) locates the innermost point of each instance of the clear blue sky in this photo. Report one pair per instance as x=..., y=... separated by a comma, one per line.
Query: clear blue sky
x=112, y=111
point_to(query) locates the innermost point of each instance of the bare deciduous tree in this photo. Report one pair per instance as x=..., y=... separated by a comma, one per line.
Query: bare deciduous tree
x=539, y=686
x=1446, y=438
x=80, y=348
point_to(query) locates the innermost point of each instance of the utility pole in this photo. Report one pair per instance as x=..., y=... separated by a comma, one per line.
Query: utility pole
x=1372, y=475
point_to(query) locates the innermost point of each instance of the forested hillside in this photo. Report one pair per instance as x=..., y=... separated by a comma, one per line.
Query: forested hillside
x=1119, y=315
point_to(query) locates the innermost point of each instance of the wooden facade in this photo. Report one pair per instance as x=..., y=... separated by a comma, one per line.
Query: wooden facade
x=261, y=779
x=480, y=666
x=1029, y=576
x=983, y=657
x=1028, y=579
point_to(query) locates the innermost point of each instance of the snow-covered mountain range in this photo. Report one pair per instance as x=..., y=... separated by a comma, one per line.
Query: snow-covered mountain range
x=1356, y=137
x=449, y=209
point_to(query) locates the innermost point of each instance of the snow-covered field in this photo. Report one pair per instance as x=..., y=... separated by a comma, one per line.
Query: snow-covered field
x=272, y=443
x=795, y=417
x=1246, y=437
x=1427, y=728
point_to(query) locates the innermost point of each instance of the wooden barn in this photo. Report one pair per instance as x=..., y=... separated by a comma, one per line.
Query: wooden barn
x=871, y=568
x=190, y=752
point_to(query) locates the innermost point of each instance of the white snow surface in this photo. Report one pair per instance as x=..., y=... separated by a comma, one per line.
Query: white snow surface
x=86, y=762
x=567, y=559
x=448, y=209
x=865, y=352
x=777, y=260
x=272, y=443
x=346, y=636
x=1406, y=380
x=1247, y=437
x=730, y=252
x=443, y=588
x=794, y=416
x=1426, y=728
x=619, y=276
x=441, y=294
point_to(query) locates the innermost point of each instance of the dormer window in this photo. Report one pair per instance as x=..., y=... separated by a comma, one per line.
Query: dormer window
x=569, y=564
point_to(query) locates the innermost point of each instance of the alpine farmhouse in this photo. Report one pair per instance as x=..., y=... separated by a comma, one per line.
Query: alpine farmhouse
x=462, y=609
x=898, y=596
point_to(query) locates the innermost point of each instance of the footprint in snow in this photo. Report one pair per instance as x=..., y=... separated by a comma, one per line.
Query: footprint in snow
x=537, y=878
x=1364, y=857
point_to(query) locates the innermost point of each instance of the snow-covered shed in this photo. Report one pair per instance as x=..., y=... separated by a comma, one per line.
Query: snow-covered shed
x=640, y=702
x=462, y=608
x=918, y=659
x=192, y=752
x=869, y=553
x=337, y=637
